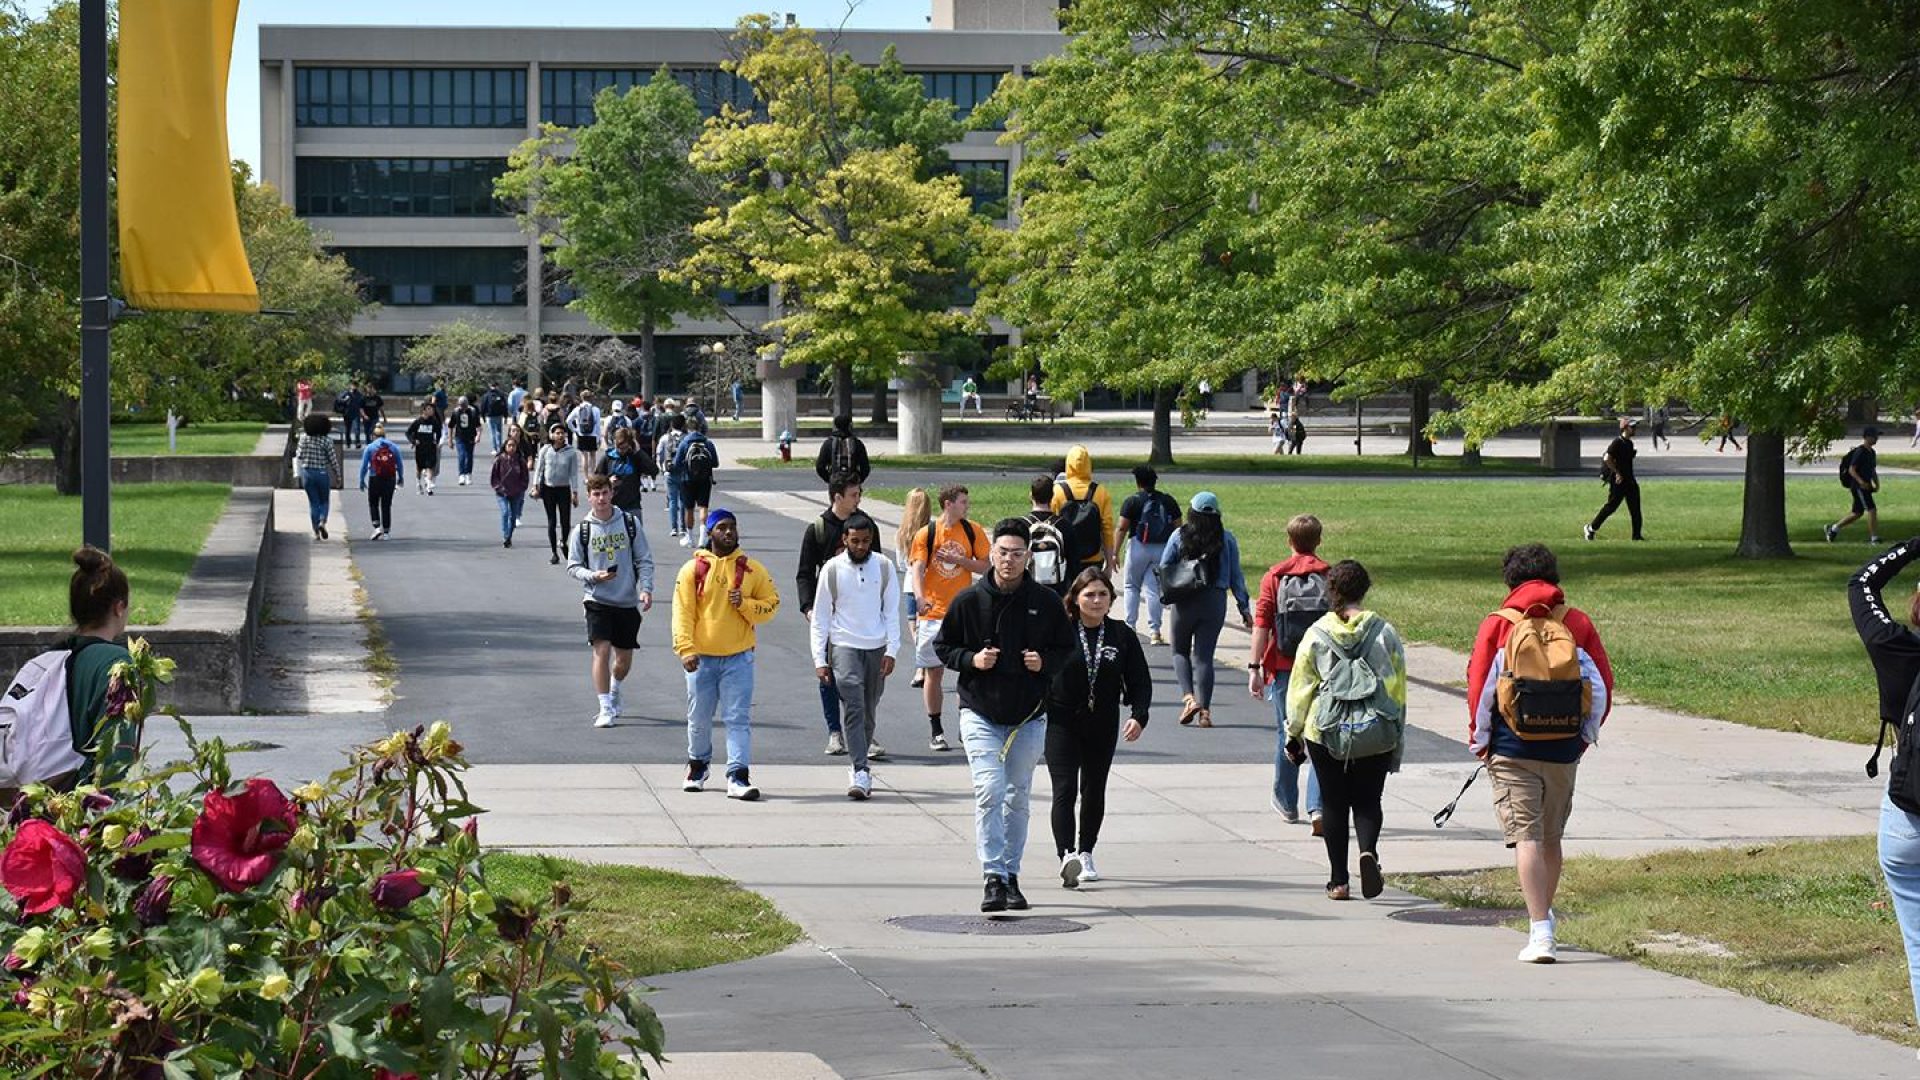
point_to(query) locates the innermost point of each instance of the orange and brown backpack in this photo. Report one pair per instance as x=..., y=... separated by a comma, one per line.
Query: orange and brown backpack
x=1541, y=694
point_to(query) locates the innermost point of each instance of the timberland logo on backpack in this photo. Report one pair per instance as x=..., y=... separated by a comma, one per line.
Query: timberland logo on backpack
x=1541, y=694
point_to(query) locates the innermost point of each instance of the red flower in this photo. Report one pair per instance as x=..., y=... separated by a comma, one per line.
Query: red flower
x=383, y=1073
x=42, y=867
x=397, y=889
x=237, y=840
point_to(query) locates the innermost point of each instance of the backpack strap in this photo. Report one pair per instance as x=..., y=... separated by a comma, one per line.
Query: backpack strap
x=633, y=539
x=80, y=739
x=702, y=566
x=584, y=535
x=1879, y=742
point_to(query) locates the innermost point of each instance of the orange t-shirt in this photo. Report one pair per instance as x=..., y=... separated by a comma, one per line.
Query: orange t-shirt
x=943, y=580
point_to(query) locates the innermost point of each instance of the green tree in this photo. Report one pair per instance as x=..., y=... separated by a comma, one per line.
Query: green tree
x=619, y=209
x=464, y=355
x=832, y=196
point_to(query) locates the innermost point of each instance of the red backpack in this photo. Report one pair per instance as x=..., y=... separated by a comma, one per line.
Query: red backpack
x=703, y=566
x=385, y=462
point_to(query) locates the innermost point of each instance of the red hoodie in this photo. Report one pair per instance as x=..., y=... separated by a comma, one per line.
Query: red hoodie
x=1267, y=607
x=1492, y=638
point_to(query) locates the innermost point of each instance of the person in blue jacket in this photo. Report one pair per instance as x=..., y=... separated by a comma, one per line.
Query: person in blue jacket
x=383, y=467
x=1199, y=617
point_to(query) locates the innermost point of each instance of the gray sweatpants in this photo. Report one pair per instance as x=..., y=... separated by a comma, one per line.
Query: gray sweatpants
x=856, y=673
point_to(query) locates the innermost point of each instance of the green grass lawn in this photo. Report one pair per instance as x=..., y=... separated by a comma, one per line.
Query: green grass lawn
x=1261, y=464
x=157, y=533
x=213, y=437
x=1807, y=925
x=652, y=921
x=1687, y=625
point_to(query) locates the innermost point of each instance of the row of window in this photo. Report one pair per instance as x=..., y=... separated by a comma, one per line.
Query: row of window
x=497, y=97
x=420, y=277
x=985, y=182
x=397, y=187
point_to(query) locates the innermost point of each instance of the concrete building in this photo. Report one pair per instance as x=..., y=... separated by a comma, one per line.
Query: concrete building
x=388, y=139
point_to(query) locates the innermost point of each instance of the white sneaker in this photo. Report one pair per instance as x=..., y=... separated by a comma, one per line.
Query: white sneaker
x=742, y=790
x=1540, y=950
x=876, y=751
x=684, y=542
x=1087, y=871
x=938, y=742
x=836, y=744
x=616, y=700
x=603, y=720
x=859, y=784
x=1070, y=870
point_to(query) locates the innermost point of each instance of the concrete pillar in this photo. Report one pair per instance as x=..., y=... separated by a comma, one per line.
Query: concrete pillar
x=779, y=396
x=921, y=423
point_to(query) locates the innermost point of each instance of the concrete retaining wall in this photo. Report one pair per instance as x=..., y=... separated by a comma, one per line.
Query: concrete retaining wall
x=240, y=470
x=211, y=631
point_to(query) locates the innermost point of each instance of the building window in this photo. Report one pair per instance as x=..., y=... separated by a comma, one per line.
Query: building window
x=965, y=89
x=409, y=97
x=985, y=182
x=566, y=94
x=421, y=277
x=397, y=187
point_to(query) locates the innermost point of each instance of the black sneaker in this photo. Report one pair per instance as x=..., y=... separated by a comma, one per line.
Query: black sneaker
x=1016, y=900
x=995, y=898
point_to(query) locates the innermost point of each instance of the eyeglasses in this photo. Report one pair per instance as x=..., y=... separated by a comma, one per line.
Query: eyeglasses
x=1009, y=553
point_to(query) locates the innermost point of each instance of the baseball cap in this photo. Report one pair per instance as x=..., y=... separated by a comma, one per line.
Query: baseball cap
x=1204, y=502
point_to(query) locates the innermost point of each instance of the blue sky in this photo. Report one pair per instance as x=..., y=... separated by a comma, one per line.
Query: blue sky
x=243, y=89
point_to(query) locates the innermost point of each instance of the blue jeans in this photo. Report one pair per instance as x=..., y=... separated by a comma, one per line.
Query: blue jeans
x=1141, y=559
x=1286, y=775
x=351, y=425
x=509, y=513
x=319, y=488
x=1001, y=787
x=497, y=427
x=463, y=454
x=675, y=512
x=724, y=683
x=1900, y=862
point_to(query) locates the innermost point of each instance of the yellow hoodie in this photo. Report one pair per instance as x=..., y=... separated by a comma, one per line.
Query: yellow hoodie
x=1079, y=476
x=706, y=624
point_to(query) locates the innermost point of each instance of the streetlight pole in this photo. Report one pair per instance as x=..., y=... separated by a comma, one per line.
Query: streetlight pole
x=96, y=316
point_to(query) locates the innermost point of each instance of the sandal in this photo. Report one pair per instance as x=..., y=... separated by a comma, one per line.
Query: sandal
x=1203, y=718
x=1189, y=706
x=1338, y=892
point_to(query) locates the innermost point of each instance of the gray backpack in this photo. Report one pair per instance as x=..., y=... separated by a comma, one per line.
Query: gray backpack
x=1355, y=715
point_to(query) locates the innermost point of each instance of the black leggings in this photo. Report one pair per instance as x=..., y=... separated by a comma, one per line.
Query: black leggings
x=1348, y=786
x=1079, y=756
x=380, y=501
x=559, y=504
x=1627, y=491
x=1197, y=621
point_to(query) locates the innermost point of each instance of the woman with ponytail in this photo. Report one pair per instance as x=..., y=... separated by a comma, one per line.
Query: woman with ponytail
x=97, y=599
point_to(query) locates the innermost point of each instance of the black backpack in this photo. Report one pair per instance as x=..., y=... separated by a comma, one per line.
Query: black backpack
x=1846, y=468
x=1158, y=518
x=842, y=456
x=700, y=458
x=1079, y=522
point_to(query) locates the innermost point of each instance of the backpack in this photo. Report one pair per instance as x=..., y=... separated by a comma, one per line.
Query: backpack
x=1300, y=601
x=704, y=566
x=842, y=456
x=965, y=527
x=1158, y=518
x=342, y=401
x=633, y=534
x=615, y=423
x=1048, y=562
x=700, y=459
x=1541, y=694
x=385, y=462
x=36, y=721
x=671, y=449
x=1080, y=524
x=1846, y=468
x=643, y=425
x=1355, y=717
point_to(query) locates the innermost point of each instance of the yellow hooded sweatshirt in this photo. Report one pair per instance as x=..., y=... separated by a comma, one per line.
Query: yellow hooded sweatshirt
x=1079, y=477
x=704, y=623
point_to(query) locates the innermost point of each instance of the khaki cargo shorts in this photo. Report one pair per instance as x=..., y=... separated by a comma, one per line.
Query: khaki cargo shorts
x=1532, y=799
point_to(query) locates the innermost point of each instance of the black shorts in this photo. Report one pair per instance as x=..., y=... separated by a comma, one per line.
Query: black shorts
x=617, y=626
x=1862, y=500
x=426, y=457
x=587, y=443
x=696, y=492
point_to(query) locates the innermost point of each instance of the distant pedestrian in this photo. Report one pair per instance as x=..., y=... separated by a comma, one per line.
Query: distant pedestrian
x=854, y=628
x=1300, y=397
x=382, y=469
x=1915, y=441
x=970, y=395
x=821, y=541
x=698, y=459
x=609, y=555
x=739, y=393
x=1083, y=719
x=615, y=420
x=1277, y=430
x=509, y=479
x=517, y=396
x=1296, y=434
x=1727, y=424
x=1007, y=637
x=1616, y=471
x=496, y=411
x=1860, y=475
x=943, y=557
x=1347, y=705
x=646, y=430
x=317, y=462
x=842, y=453
x=669, y=460
x=556, y=483
x=302, y=398
x=1086, y=515
x=584, y=422
x=1148, y=519
x=622, y=464
x=1199, y=567
x=1659, y=432
x=1293, y=596
x=464, y=428
x=346, y=405
x=373, y=411
x=440, y=399
x=913, y=517
x=720, y=598
x=1539, y=686
x=1048, y=560
x=424, y=434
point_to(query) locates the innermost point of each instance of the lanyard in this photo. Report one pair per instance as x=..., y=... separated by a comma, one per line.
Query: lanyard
x=1093, y=657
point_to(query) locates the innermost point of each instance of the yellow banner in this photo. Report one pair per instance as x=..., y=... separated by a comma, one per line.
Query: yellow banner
x=180, y=243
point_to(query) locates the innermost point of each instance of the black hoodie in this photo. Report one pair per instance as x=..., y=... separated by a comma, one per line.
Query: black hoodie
x=1029, y=616
x=1124, y=675
x=1895, y=653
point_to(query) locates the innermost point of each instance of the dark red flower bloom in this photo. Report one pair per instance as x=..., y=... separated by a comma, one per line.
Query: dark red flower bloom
x=382, y=1073
x=472, y=828
x=43, y=868
x=311, y=899
x=396, y=889
x=237, y=840
x=134, y=866
x=155, y=901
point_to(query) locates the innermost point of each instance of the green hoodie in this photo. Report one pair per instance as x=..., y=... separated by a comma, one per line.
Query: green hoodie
x=1386, y=656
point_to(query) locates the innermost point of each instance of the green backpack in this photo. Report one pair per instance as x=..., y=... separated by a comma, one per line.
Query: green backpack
x=1355, y=716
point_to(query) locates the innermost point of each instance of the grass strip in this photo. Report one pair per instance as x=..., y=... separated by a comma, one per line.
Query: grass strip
x=158, y=530
x=221, y=438
x=1806, y=925
x=652, y=921
x=1255, y=464
x=1687, y=625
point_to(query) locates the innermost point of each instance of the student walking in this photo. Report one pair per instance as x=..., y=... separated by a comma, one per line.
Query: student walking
x=509, y=480
x=382, y=469
x=464, y=427
x=668, y=457
x=424, y=434
x=842, y=452
x=913, y=517
x=1616, y=470
x=1085, y=512
x=942, y=559
x=1198, y=568
x=820, y=542
x=493, y=407
x=1007, y=637
x=1347, y=704
x=316, y=463
x=1860, y=475
x=609, y=555
x=1659, y=432
x=854, y=628
x=1148, y=519
x=1296, y=435
x=584, y=422
x=697, y=459
x=1293, y=596
x=1539, y=686
x=621, y=464
x=556, y=483
x=739, y=392
x=719, y=599
x=1083, y=719
x=373, y=411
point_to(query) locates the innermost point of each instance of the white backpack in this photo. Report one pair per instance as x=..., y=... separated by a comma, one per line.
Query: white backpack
x=36, y=734
x=1048, y=546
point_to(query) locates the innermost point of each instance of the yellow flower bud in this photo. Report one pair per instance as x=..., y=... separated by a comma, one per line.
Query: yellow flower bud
x=30, y=946
x=310, y=792
x=439, y=738
x=99, y=944
x=275, y=987
x=206, y=986
x=113, y=836
x=303, y=840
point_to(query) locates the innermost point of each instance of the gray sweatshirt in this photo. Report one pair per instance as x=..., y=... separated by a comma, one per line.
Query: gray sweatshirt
x=607, y=548
x=557, y=468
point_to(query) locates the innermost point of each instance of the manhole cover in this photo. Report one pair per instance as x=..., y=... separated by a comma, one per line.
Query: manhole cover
x=1440, y=916
x=990, y=925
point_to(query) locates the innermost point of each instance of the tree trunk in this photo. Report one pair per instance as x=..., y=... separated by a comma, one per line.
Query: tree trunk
x=880, y=403
x=1163, y=400
x=66, y=447
x=843, y=389
x=1417, y=444
x=1763, y=516
x=649, y=367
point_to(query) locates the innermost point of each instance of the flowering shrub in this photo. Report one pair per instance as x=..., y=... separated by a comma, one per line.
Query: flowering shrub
x=186, y=925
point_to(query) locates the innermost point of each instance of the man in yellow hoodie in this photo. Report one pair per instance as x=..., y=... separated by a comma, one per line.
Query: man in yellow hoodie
x=719, y=598
x=1085, y=515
